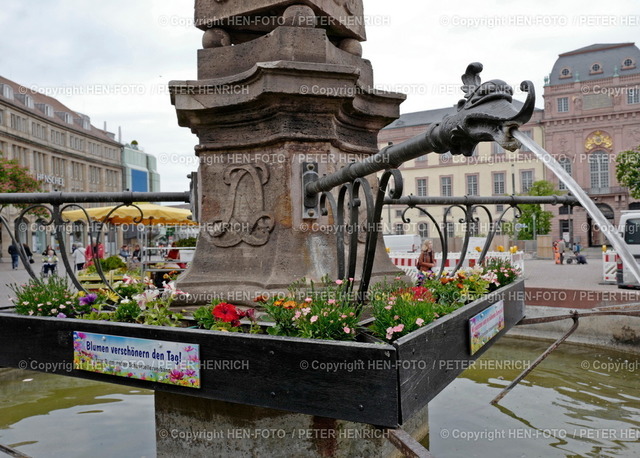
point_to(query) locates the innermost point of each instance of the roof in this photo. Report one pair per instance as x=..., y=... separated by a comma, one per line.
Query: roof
x=421, y=118
x=57, y=106
x=609, y=56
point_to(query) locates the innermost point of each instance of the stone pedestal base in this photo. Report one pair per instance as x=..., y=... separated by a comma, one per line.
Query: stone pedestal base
x=189, y=426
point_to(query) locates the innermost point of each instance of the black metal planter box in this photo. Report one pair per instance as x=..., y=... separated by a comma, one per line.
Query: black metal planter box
x=380, y=384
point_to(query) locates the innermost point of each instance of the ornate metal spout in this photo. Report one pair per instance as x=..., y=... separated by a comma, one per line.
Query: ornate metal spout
x=487, y=113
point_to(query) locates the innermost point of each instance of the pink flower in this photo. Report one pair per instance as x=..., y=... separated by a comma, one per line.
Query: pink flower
x=398, y=328
x=338, y=282
x=347, y=329
x=388, y=307
x=308, y=299
x=390, y=332
x=396, y=317
x=297, y=315
x=314, y=318
x=419, y=321
x=331, y=301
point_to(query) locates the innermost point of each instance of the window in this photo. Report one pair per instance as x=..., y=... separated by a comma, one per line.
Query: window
x=421, y=187
x=399, y=213
x=599, y=168
x=19, y=123
x=38, y=130
x=446, y=187
x=496, y=148
x=529, y=134
x=96, y=148
x=498, y=183
x=58, y=166
x=399, y=229
x=596, y=68
x=423, y=230
x=111, y=178
x=39, y=165
x=76, y=143
x=77, y=171
x=628, y=63
x=1, y=117
x=58, y=138
x=472, y=185
x=565, y=73
x=565, y=163
x=94, y=175
x=633, y=96
x=21, y=154
x=7, y=91
x=526, y=180
x=421, y=158
x=499, y=208
x=563, y=104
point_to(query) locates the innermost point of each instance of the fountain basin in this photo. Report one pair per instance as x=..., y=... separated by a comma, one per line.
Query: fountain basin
x=376, y=383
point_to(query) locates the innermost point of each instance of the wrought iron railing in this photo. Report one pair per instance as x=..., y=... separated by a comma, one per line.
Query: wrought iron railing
x=50, y=207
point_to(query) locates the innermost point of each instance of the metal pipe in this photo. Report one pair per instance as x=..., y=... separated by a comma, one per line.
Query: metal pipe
x=479, y=200
x=390, y=157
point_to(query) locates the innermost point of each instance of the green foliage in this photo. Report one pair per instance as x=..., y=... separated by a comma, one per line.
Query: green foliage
x=188, y=242
x=324, y=312
x=112, y=263
x=159, y=313
x=49, y=297
x=628, y=171
x=128, y=290
x=531, y=212
x=15, y=178
x=127, y=312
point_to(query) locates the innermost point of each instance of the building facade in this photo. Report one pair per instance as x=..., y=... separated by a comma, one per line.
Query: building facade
x=591, y=114
x=490, y=171
x=60, y=147
x=140, y=169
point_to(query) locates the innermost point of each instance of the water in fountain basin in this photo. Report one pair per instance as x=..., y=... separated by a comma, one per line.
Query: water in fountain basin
x=608, y=229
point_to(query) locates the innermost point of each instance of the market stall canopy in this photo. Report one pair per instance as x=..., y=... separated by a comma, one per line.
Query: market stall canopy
x=151, y=214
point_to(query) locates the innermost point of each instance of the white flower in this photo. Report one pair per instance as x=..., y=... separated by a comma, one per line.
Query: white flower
x=146, y=296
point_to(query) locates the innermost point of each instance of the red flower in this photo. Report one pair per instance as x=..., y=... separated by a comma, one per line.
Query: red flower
x=226, y=312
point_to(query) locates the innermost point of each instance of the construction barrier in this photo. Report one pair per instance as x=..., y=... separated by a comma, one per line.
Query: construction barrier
x=407, y=261
x=609, y=266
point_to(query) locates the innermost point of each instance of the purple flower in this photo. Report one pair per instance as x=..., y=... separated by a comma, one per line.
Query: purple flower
x=88, y=299
x=61, y=315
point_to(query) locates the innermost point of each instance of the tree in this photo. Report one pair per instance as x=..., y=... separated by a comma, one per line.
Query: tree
x=531, y=212
x=15, y=178
x=628, y=171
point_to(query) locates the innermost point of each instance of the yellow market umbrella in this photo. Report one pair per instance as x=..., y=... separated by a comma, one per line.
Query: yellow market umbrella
x=151, y=214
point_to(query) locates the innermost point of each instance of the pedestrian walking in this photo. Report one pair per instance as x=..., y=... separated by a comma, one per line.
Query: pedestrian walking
x=13, y=251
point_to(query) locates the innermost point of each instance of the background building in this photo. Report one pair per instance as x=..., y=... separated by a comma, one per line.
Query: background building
x=60, y=147
x=140, y=169
x=592, y=112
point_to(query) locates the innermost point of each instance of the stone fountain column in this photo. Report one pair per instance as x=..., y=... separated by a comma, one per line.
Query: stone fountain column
x=279, y=84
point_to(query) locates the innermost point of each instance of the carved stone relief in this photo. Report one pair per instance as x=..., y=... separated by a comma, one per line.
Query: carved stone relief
x=244, y=218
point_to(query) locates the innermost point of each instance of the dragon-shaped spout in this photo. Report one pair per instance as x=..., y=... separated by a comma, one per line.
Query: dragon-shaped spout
x=487, y=113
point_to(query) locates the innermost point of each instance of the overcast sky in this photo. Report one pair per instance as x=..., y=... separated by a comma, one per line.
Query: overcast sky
x=112, y=60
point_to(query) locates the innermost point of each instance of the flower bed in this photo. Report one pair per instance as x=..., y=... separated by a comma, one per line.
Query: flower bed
x=295, y=366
